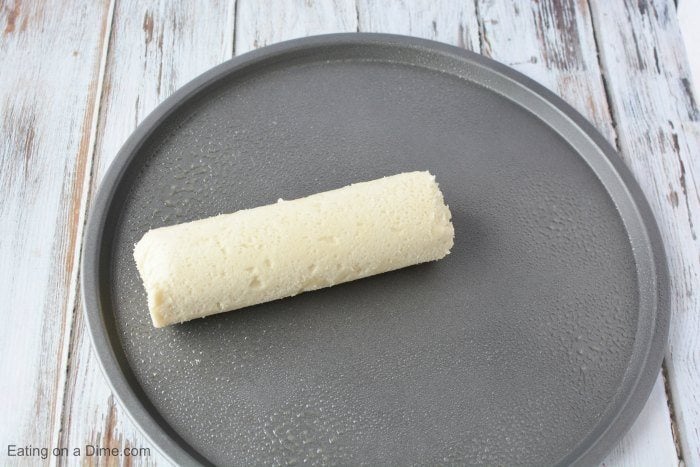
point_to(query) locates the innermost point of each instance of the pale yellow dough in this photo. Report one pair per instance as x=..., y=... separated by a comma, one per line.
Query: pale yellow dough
x=256, y=255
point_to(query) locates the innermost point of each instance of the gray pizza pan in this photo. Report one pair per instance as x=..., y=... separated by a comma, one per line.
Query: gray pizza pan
x=536, y=341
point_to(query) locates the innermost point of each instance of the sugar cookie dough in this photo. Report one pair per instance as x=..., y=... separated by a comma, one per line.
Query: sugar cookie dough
x=256, y=255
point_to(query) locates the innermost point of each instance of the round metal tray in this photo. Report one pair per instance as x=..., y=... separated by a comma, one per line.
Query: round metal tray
x=536, y=341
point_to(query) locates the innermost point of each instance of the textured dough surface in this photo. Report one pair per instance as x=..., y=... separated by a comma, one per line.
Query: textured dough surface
x=256, y=255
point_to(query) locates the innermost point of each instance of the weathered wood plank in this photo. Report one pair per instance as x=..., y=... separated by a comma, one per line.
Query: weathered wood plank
x=47, y=92
x=155, y=47
x=446, y=21
x=657, y=118
x=553, y=43
x=264, y=22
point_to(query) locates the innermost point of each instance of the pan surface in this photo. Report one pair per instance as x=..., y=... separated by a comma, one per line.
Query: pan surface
x=536, y=341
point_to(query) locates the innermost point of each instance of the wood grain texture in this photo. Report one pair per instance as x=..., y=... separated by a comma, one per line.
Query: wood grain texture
x=446, y=21
x=657, y=117
x=552, y=42
x=47, y=94
x=264, y=22
x=155, y=47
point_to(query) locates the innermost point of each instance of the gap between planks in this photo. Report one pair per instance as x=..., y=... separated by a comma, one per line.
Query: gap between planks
x=232, y=26
x=606, y=87
x=672, y=413
x=480, y=28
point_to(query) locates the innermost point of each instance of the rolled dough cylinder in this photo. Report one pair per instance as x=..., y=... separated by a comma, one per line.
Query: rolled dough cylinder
x=256, y=255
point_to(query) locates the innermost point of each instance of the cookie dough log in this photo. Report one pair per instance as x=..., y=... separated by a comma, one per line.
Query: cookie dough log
x=256, y=255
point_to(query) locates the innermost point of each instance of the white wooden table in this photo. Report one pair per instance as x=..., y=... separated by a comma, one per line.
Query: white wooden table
x=77, y=77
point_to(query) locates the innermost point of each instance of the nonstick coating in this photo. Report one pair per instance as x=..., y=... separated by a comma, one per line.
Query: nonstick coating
x=536, y=341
